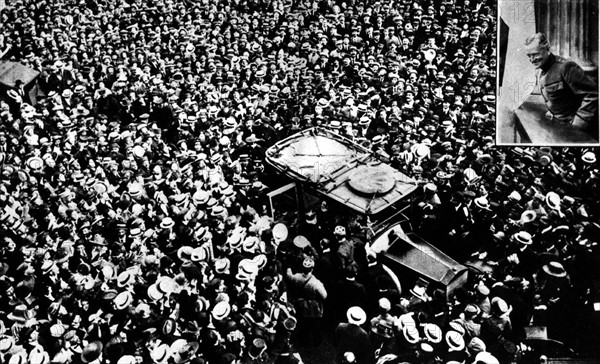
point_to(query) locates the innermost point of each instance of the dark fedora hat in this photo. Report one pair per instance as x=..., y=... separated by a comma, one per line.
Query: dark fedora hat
x=20, y=314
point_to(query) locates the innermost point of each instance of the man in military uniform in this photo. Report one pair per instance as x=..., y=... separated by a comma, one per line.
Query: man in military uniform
x=570, y=95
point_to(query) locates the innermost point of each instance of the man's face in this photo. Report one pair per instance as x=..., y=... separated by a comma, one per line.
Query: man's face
x=537, y=55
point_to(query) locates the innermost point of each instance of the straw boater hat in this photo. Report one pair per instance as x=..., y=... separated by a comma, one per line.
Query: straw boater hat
x=431, y=187
x=127, y=359
x=12, y=94
x=482, y=202
x=356, y=315
x=246, y=270
x=528, y=216
x=35, y=163
x=161, y=354
x=184, y=253
x=125, y=278
x=153, y=293
x=420, y=150
x=280, y=232
x=235, y=239
x=260, y=261
x=222, y=266
x=589, y=157
x=411, y=334
x=433, y=333
x=500, y=307
x=455, y=341
x=523, y=237
x=555, y=269
x=251, y=244
x=455, y=325
x=476, y=346
x=123, y=300
x=221, y=311
x=19, y=358
x=485, y=159
x=198, y=254
x=301, y=242
x=514, y=196
x=553, y=200
x=167, y=285
x=7, y=343
x=57, y=330
x=167, y=223
x=420, y=288
x=544, y=158
x=486, y=358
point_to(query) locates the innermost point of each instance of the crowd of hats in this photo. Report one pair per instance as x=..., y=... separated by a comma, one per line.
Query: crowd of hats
x=133, y=221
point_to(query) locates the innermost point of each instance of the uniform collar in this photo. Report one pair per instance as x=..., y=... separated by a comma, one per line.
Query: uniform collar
x=548, y=63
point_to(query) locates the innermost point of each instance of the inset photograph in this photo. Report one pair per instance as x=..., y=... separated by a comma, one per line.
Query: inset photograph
x=547, y=73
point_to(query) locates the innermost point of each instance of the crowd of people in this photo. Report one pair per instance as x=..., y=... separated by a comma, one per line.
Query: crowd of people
x=135, y=224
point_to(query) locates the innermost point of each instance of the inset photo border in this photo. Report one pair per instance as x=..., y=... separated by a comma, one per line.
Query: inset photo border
x=548, y=73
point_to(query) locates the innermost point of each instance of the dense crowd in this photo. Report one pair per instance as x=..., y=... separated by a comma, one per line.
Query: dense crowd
x=135, y=224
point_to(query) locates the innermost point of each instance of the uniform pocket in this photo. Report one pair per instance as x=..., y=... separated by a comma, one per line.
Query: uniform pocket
x=554, y=92
x=554, y=86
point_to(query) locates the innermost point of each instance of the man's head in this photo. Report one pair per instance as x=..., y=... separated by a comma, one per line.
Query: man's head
x=537, y=49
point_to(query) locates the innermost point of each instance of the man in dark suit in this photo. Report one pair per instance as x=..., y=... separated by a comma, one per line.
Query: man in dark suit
x=368, y=278
x=348, y=292
x=456, y=220
x=20, y=89
x=309, y=294
x=59, y=78
x=444, y=111
x=326, y=272
x=311, y=230
x=351, y=337
x=325, y=269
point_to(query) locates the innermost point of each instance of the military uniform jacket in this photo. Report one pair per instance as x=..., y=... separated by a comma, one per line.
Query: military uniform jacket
x=567, y=90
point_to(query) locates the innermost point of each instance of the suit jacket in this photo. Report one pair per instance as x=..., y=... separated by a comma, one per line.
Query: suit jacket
x=325, y=269
x=24, y=94
x=353, y=338
x=348, y=294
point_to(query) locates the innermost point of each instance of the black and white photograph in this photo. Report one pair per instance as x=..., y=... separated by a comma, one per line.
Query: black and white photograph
x=548, y=77
x=298, y=181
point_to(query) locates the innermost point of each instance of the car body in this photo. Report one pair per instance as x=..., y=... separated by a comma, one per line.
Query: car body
x=410, y=255
x=319, y=164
